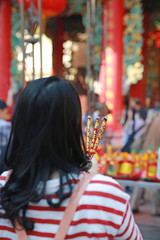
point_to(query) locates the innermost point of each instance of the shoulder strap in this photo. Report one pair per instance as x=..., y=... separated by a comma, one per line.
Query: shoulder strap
x=68, y=214
x=21, y=233
x=138, y=129
x=72, y=205
x=133, y=126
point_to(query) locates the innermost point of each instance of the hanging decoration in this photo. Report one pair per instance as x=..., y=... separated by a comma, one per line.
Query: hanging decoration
x=16, y=63
x=152, y=56
x=133, y=41
x=95, y=38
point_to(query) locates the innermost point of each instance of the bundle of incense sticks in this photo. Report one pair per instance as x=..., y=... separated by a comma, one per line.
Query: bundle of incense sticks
x=91, y=149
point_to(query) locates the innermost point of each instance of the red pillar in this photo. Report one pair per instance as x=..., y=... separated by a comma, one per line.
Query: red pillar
x=112, y=62
x=5, y=45
x=58, y=48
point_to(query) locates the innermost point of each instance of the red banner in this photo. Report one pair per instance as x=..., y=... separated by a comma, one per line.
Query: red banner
x=112, y=64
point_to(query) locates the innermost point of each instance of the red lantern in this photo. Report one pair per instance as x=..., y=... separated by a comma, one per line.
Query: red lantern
x=50, y=8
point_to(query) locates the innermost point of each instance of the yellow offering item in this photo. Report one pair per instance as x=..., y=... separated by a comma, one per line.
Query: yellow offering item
x=152, y=170
x=126, y=168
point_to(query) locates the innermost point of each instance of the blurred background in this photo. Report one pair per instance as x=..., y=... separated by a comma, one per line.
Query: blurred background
x=110, y=51
x=109, y=48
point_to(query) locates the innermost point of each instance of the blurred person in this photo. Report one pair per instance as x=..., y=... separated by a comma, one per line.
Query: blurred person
x=101, y=110
x=139, y=143
x=47, y=160
x=134, y=128
x=5, y=126
x=81, y=88
x=125, y=112
x=132, y=107
x=90, y=111
x=137, y=104
x=137, y=107
x=151, y=138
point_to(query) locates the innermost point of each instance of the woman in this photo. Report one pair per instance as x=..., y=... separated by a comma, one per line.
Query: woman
x=134, y=128
x=47, y=161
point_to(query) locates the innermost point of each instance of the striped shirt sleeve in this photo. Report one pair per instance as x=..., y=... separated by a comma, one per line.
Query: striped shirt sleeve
x=128, y=229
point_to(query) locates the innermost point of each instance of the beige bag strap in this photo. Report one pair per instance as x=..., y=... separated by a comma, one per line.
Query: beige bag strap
x=72, y=205
x=68, y=214
x=21, y=233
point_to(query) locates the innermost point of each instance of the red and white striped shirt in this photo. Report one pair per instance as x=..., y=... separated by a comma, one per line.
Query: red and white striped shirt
x=103, y=212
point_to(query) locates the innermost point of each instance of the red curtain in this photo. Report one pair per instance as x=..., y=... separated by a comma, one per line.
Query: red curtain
x=5, y=44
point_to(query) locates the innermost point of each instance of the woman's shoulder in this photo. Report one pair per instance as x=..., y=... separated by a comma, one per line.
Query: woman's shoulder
x=105, y=193
x=108, y=185
x=105, y=180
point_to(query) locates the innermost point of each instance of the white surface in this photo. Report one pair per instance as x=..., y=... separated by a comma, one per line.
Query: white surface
x=158, y=165
x=140, y=184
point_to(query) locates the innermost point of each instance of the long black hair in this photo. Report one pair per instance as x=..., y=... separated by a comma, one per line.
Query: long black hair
x=46, y=136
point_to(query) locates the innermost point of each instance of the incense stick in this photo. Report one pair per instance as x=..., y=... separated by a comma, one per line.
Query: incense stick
x=91, y=150
x=88, y=134
x=101, y=130
x=96, y=125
